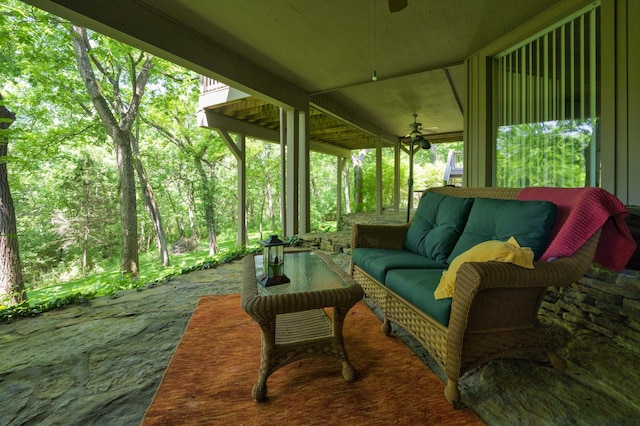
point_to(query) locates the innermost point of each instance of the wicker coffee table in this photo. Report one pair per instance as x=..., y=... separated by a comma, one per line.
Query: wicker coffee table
x=292, y=317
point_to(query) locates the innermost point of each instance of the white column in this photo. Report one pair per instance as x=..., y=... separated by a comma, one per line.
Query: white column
x=283, y=172
x=242, y=239
x=293, y=168
x=339, y=195
x=304, y=174
x=396, y=176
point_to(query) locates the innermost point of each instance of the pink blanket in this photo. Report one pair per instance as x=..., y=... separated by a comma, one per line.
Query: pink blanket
x=581, y=212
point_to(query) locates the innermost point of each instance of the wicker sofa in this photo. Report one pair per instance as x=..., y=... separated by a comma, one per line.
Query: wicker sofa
x=494, y=310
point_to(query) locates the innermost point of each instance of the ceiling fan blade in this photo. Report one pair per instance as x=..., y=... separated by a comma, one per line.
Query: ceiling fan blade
x=397, y=5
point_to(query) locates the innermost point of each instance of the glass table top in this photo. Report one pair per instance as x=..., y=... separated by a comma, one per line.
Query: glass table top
x=307, y=272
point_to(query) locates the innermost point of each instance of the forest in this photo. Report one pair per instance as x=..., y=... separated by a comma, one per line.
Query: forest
x=103, y=168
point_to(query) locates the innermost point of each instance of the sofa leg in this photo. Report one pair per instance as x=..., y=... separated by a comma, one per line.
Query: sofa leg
x=386, y=327
x=557, y=361
x=452, y=393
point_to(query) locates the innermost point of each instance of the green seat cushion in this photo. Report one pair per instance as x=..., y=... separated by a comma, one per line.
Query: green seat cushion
x=417, y=286
x=437, y=225
x=530, y=222
x=376, y=262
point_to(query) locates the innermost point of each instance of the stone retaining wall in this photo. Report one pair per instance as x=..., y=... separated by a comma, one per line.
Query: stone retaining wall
x=341, y=241
x=603, y=301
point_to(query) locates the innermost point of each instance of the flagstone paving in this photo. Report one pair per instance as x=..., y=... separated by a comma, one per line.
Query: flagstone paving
x=101, y=363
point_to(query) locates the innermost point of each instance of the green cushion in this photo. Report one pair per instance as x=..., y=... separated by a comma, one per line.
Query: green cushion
x=530, y=222
x=417, y=286
x=376, y=262
x=437, y=225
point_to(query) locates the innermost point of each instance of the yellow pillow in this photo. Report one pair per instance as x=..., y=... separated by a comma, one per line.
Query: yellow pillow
x=493, y=250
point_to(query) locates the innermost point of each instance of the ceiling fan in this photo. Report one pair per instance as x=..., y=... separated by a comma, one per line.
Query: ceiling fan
x=416, y=134
x=397, y=5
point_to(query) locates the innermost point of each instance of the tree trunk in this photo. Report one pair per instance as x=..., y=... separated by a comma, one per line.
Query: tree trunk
x=120, y=132
x=11, y=281
x=347, y=195
x=85, y=247
x=129, y=263
x=209, y=212
x=86, y=226
x=150, y=203
x=195, y=234
x=270, y=207
x=180, y=225
x=358, y=179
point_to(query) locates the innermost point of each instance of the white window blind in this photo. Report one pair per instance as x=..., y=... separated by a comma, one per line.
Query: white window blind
x=546, y=100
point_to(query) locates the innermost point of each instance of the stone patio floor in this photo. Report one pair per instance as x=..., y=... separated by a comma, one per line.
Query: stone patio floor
x=101, y=363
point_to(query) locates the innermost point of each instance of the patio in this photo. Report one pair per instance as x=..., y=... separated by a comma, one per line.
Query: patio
x=101, y=363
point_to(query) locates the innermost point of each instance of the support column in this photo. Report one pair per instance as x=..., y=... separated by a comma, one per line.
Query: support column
x=340, y=167
x=396, y=176
x=296, y=198
x=242, y=238
x=304, y=177
x=379, y=175
x=283, y=172
x=292, y=174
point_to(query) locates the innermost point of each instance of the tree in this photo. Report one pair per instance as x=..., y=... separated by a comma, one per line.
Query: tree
x=11, y=281
x=172, y=118
x=118, y=124
x=63, y=169
x=150, y=203
x=82, y=222
x=54, y=128
x=196, y=149
x=543, y=154
x=347, y=193
x=357, y=160
x=263, y=196
x=323, y=207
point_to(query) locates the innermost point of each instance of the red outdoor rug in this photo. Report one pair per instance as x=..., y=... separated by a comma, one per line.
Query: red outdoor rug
x=215, y=366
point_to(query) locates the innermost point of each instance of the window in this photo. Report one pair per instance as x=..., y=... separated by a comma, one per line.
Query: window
x=547, y=106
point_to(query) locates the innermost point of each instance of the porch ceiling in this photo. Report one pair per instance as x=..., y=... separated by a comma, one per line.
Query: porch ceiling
x=325, y=51
x=323, y=128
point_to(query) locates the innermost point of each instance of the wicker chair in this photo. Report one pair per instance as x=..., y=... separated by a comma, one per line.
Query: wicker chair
x=494, y=312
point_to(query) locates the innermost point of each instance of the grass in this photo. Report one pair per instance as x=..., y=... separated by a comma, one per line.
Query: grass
x=111, y=281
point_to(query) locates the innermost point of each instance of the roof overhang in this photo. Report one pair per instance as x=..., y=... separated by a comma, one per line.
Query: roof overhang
x=295, y=54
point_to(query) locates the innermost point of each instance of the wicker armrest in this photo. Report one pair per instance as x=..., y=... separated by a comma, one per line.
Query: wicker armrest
x=496, y=295
x=479, y=276
x=378, y=236
x=476, y=276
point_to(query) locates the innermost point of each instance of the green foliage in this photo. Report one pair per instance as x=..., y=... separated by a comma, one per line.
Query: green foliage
x=26, y=309
x=81, y=291
x=543, y=154
x=369, y=184
x=62, y=168
x=264, y=187
x=428, y=172
x=430, y=165
x=293, y=241
x=324, y=186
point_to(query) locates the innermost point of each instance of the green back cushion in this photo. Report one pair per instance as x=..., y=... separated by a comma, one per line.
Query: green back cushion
x=437, y=225
x=530, y=222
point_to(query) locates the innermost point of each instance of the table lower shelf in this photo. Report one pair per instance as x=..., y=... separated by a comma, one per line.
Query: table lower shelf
x=303, y=326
